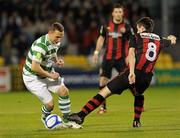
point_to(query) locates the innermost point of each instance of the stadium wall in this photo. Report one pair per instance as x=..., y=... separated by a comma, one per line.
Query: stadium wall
x=11, y=78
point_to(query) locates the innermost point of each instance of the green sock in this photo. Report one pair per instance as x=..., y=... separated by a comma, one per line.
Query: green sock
x=45, y=111
x=64, y=106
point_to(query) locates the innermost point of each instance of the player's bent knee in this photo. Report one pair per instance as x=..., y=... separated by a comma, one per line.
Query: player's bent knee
x=105, y=92
x=50, y=105
x=63, y=91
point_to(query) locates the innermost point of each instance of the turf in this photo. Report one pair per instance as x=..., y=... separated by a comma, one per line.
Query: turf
x=20, y=116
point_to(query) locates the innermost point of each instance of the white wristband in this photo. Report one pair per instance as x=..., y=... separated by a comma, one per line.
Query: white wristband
x=96, y=52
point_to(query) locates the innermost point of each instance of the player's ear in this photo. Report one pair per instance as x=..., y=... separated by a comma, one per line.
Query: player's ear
x=112, y=13
x=50, y=32
x=122, y=12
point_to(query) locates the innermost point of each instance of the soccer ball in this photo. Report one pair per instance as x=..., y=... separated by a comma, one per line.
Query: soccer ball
x=53, y=121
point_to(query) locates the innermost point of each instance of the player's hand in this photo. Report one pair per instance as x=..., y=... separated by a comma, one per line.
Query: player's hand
x=60, y=62
x=132, y=78
x=172, y=38
x=95, y=58
x=54, y=75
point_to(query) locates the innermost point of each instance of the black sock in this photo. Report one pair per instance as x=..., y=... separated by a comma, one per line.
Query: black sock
x=138, y=107
x=104, y=103
x=91, y=105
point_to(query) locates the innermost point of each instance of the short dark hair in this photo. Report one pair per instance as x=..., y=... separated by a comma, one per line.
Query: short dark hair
x=117, y=5
x=147, y=22
x=56, y=26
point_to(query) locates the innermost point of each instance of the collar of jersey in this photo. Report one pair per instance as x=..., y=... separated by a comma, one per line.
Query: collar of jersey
x=48, y=42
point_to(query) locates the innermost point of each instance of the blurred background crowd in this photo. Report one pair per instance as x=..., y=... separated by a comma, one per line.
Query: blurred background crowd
x=23, y=22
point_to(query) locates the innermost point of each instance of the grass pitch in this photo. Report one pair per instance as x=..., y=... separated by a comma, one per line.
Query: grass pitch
x=20, y=116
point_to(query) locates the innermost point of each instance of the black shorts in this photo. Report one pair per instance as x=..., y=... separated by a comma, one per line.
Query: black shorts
x=108, y=65
x=120, y=83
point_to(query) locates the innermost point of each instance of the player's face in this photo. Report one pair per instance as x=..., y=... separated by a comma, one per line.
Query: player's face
x=140, y=28
x=118, y=14
x=55, y=36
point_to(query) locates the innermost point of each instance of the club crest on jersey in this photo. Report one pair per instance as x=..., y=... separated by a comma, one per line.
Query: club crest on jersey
x=123, y=30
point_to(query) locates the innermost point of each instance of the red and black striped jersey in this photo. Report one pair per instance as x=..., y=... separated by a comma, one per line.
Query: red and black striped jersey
x=147, y=47
x=116, y=39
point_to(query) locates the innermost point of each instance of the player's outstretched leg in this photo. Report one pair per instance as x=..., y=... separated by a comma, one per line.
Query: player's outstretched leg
x=90, y=106
x=76, y=118
x=103, y=108
x=138, y=108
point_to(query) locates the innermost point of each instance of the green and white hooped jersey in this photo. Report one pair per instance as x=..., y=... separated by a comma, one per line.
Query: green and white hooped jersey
x=43, y=52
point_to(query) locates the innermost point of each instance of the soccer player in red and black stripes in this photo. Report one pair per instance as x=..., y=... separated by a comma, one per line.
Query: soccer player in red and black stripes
x=114, y=36
x=145, y=47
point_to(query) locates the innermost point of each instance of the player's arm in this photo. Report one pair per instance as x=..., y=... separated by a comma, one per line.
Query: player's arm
x=40, y=71
x=58, y=61
x=170, y=40
x=38, y=55
x=131, y=55
x=130, y=32
x=131, y=65
x=99, y=43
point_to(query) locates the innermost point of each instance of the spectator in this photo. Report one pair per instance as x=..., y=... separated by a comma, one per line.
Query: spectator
x=22, y=22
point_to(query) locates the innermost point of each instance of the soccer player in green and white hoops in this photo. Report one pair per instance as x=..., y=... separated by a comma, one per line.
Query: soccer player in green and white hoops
x=40, y=78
